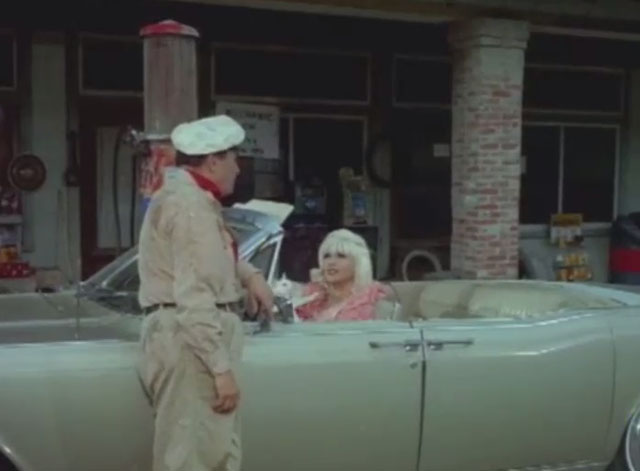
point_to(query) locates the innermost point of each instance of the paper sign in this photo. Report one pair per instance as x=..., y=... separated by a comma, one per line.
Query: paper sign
x=262, y=125
x=441, y=150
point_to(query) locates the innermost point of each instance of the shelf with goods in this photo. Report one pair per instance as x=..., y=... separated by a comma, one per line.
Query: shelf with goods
x=572, y=264
x=570, y=259
x=11, y=264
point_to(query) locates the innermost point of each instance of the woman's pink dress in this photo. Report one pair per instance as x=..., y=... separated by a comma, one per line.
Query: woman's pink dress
x=359, y=306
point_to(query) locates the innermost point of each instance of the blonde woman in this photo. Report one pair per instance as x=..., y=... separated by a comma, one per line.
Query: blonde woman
x=342, y=288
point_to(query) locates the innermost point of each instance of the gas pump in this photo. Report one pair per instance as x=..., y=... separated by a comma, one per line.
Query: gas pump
x=170, y=95
x=310, y=199
x=134, y=139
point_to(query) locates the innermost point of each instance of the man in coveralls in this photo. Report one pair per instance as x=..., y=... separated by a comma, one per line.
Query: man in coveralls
x=190, y=290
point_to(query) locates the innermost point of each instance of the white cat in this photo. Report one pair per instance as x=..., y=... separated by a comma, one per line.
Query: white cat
x=292, y=291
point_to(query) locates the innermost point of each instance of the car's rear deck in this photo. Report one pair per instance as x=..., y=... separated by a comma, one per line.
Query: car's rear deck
x=495, y=299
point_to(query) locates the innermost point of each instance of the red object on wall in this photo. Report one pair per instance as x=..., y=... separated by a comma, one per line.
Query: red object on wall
x=15, y=270
x=624, y=260
x=162, y=154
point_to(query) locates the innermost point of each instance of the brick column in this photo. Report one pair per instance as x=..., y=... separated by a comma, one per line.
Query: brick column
x=488, y=68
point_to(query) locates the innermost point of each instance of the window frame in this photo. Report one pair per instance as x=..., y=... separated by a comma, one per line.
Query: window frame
x=394, y=82
x=12, y=34
x=577, y=68
x=103, y=93
x=273, y=259
x=284, y=100
x=292, y=116
x=533, y=65
x=595, y=227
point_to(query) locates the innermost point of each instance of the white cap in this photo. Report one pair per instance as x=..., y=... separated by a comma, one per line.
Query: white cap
x=207, y=136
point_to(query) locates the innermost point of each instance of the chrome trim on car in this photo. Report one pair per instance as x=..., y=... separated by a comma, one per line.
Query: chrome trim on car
x=577, y=466
x=14, y=459
x=632, y=443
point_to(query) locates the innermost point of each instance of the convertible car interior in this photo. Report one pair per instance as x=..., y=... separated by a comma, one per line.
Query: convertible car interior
x=410, y=300
x=485, y=299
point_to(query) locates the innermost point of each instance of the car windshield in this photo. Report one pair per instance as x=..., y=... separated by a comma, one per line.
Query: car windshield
x=243, y=231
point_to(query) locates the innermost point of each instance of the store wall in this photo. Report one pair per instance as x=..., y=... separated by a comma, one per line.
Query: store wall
x=51, y=238
x=629, y=196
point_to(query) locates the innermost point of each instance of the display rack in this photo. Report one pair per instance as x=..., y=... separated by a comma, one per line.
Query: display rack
x=11, y=223
x=570, y=259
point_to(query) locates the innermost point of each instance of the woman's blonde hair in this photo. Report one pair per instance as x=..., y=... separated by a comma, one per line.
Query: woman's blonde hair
x=349, y=243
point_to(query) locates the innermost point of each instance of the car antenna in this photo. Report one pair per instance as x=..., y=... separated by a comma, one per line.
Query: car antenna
x=78, y=292
x=77, y=316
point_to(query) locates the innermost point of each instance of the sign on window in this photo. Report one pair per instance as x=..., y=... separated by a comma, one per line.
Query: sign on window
x=261, y=123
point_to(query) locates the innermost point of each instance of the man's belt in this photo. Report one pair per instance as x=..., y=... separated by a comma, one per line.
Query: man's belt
x=237, y=307
x=155, y=307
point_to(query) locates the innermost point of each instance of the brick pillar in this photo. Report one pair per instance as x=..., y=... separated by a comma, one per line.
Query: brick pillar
x=170, y=93
x=488, y=68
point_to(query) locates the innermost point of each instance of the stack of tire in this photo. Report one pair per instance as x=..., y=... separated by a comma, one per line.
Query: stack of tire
x=624, y=255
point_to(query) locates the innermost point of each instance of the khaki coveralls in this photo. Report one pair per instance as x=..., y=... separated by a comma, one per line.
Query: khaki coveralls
x=186, y=257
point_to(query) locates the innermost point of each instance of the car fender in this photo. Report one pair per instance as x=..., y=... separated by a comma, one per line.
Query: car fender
x=625, y=330
x=13, y=455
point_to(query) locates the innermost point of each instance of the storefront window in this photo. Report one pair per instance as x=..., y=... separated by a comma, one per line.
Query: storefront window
x=554, y=88
x=8, y=123
x=422, y=173
x=410, y=75
x=111, y=65
x=540, y=170
x=576, y=90
x=570, y=169
x=291, y=75
x=321, y=146
x=7, y=61
x=589, y=172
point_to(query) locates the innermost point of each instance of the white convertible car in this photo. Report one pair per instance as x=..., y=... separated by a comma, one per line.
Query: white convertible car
x=452, y=376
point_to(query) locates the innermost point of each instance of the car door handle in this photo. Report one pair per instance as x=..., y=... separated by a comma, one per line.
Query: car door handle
x=408, y=345
x=436, y=344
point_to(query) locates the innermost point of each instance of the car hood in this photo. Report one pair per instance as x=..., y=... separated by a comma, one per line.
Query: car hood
x=38, y=306
x=38, y=317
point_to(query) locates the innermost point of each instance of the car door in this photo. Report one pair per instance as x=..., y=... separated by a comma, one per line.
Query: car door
x=332, y=396
x=76, y=405
x=507, y=393
x=315, y=397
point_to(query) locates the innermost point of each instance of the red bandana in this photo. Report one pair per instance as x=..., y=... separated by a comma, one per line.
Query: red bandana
x=207, y=185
